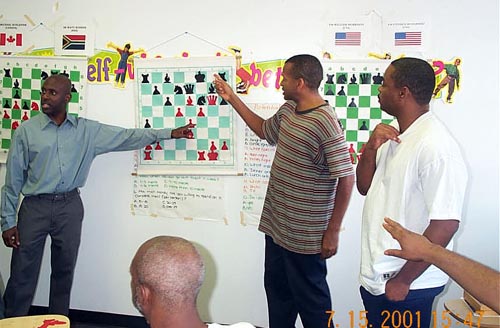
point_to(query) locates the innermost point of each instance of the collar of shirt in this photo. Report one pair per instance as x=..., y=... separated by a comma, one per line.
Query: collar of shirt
x=46, y=120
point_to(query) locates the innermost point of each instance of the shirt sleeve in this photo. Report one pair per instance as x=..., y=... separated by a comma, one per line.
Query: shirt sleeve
x=17, y=166
x=113, y=138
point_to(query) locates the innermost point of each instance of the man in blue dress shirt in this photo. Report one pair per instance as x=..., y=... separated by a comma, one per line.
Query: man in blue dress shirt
x=49, y=159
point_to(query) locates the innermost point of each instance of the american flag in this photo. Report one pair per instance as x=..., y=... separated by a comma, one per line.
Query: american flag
x=348, y=38
x=408, y=38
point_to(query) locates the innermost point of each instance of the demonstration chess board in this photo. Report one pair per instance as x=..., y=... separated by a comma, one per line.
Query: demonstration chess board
x=352, y=90
x=177, y=91
x=21, y=80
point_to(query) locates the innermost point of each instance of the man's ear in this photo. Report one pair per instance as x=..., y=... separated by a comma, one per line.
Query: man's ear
x=145, y=295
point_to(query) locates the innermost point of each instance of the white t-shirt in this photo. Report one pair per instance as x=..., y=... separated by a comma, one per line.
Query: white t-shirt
x=422, y=178
x=236, y=325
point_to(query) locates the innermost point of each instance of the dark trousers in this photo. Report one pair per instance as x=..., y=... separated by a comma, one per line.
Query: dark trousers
x=295, y=284
x=415, y=311
x=59, y=216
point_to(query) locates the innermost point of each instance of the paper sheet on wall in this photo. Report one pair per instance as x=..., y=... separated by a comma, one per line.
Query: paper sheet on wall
x=258, y=156
x=183, y=197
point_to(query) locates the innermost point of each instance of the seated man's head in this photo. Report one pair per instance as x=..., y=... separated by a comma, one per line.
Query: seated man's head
x=166, y=276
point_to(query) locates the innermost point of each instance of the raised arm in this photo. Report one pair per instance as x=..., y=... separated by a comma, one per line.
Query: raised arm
x=479, y=280
x=367, y=163
x=253, y=120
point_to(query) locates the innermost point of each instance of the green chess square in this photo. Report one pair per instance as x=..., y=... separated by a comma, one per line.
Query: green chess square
x=213, y=111
x=36, y=112
x=168, y=111
x=157, y=100
x=169, y=155
x=341, y=101
x=180, y=144
x=16, y=114
x=191, y=111
x=224, y=122
x=180, y=121
x=179, y=100
x=351, y=136
x=5, y=143
x=36, y=74
x=352, y=112
x=375, y=113
x=158, y=123
x=201, y=122
x=167, y=88
x=7, y=82
x=36, y=95
x=202, y=143
x=352, y=89
x=364, y=101
x=74, y=76
x=179, y=77
x=75, y=97
x=191, y=155
x=374, y=89
x=156, y=77
x=147, y=111
x=6, y=123
x=213, y=133
x=17, y=72
x=146, y=89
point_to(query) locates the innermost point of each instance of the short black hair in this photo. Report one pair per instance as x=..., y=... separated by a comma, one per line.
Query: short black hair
x=417, y=75
x=308, y=68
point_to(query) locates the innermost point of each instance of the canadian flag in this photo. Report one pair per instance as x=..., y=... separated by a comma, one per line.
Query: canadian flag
x=11, y=39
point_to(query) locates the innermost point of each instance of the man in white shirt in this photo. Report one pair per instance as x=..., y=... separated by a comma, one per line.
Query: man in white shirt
x=167, y=274
x=411, y=170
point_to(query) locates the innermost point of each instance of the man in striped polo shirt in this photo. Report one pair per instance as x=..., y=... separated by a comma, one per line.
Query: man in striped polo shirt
x=309, y=189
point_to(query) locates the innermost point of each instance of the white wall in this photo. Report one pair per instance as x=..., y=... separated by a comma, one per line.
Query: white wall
x=264, y=30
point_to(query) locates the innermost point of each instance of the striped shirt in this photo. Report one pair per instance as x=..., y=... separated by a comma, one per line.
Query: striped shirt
x=311, y=154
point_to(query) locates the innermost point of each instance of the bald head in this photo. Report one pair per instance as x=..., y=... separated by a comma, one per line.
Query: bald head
x=171, y=268
x=61, y=80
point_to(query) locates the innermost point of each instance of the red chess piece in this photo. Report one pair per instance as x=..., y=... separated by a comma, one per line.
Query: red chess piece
x=147, y=155
x=212, y=156
x=15, y=125
x=224, y=146
x=179, y=113
x=200, y=113
x=148, y=147
x=158, y=146
x=201, y=155
x=190, y=101
x=34, y=106
x=25, y=116
x=352, y=153
x=213, y=147
x=5, y=114
x=16, y=105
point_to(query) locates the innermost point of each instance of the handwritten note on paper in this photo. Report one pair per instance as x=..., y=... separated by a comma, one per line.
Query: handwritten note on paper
x=186, y=197
x=257, y=165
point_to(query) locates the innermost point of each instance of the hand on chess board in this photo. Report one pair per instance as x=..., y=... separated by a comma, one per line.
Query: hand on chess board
x=183, y=132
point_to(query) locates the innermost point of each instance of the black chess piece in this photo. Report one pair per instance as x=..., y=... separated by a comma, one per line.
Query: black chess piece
x=167, y=78
x=7, y=72
x=341, y=91
x=167, y=102
x=329, y=78
x=155, y=91
x=178, y=90
x=352, y=103
x=363, y=126
x=199, y=77
x=201, y=101
x=341, y=78
x=189, y=88
x=147, y=125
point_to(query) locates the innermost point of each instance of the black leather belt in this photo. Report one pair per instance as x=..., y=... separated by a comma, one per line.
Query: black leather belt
x=58, y=196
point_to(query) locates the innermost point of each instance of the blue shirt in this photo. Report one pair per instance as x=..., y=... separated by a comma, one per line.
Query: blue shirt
x=46, y=158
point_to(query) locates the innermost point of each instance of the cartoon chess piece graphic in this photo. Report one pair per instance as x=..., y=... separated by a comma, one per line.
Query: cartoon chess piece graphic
x=178, y=90
x=223, y=101
x=189, y=101
x=179, y=113
x=201, y=155
x=15, y=125
x=199, y=77
x=167, y=102
x=25, y=105
x=224, y=146
x=145, y=78
x=35, y=106
x=16, y=95
x=147, y=155
x=7, y=72
x=365, y=78
x=201, y=101
x=353, y=79
x=16, y=105
x=329, y=89
x=378, y=79
x=147, y=125
x=352, y=103
x=329, y=78
x=341, y=78
x=158, y=146
x=25, y=116
x=361, y=151
x=212, y=100
x=155, y=91
x=213, y=147
x=212, y=155
x=363, y=126
x=6, y=114
x=6, y=104
x=44, y=75
x=166, y=79
x=341, y=91
x=73, y=89
x=16, y=84
x=189, y=88
x=223, y=76
x=211, y=88
x=200, y=112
